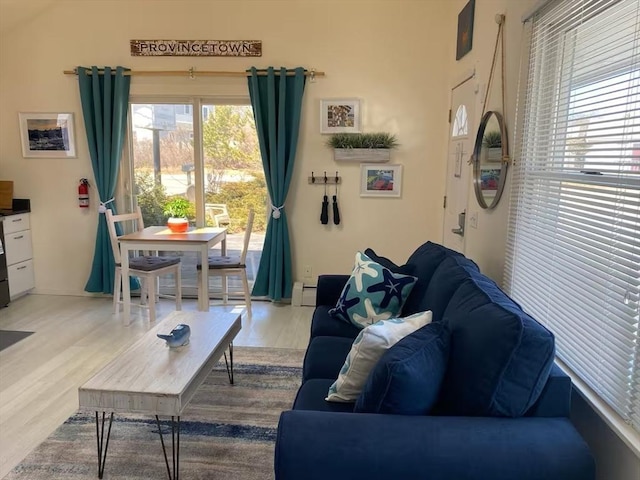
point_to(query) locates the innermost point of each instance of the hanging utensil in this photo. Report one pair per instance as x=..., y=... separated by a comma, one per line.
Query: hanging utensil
x=324, y=215
x=336, y=211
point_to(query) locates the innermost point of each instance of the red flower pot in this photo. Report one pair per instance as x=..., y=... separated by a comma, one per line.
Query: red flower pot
x=178, y=225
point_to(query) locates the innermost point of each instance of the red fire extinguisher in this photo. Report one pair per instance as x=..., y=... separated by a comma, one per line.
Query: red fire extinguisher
x=83, y=193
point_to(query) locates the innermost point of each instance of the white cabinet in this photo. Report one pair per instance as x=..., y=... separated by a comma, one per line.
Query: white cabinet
x=16, y=223
x=19, y=254
x=18, y=246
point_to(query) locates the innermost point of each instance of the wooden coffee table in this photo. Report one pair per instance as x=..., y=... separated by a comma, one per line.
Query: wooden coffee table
x=151, y=378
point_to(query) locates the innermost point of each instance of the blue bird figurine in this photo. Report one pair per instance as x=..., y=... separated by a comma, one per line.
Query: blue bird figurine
x=178, y=337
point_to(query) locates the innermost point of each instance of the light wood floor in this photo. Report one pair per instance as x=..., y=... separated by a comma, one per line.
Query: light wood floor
x=74, y=337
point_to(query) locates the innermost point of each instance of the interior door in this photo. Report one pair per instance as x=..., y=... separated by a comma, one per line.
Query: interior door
x=461, y=138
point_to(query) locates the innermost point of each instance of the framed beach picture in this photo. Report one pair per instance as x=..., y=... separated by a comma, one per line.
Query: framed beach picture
x=47, y=135
x=380, y=181
x=340, y=115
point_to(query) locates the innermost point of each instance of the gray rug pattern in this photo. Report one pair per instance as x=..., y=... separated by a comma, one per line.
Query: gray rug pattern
x=227, y=431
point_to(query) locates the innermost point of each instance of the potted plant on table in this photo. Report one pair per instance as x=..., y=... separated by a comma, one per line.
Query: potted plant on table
x=176, y=209
x=362, y=147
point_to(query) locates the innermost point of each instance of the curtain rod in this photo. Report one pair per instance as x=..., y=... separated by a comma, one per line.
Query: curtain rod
x=193, y=73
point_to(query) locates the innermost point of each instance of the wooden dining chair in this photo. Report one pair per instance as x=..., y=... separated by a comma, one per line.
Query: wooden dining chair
x=218, y=214
x=148, y=268
x=233, y=265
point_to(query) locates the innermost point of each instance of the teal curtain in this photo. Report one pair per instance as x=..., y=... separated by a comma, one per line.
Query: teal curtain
x=105, y=104
x=276, y=99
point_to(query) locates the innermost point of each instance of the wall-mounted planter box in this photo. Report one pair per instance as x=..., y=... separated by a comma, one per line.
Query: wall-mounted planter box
x=373, y=155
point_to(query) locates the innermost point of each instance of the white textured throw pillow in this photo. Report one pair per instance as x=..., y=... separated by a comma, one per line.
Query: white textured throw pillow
x=367, y=349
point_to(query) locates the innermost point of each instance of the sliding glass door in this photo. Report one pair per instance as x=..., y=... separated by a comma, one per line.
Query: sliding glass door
x=207, y=153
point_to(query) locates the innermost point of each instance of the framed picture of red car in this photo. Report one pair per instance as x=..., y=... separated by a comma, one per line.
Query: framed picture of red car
x=380, y=180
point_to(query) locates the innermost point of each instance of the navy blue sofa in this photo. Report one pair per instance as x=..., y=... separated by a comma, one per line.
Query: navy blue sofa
x=502, y=411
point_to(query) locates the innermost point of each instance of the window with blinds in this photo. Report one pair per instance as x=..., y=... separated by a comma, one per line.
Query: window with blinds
x=573, y=257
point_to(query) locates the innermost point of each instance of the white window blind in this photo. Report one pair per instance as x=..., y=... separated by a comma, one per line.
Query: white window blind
x=573, y=257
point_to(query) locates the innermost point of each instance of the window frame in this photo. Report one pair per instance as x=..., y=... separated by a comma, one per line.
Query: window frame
x=124, y=192
x=561, y=96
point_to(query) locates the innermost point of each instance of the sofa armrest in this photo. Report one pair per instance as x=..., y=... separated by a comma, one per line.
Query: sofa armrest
x=555, y=398
x=329, y=289
x=319, y=445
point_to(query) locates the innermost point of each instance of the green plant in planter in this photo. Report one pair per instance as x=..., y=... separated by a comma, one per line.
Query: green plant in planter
x=177, y=207
x=492, y=139
x=362, y=140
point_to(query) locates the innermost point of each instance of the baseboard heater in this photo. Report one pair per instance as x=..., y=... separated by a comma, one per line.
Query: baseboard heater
x=303, y=295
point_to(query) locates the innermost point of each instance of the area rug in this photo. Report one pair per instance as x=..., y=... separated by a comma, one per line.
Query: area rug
x=227, y=431
x=9, y=337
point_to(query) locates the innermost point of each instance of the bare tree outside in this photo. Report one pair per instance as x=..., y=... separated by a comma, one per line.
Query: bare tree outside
x=230, y=143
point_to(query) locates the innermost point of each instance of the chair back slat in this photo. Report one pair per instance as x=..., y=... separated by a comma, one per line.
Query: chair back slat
x=247, y=236
x=112, y=220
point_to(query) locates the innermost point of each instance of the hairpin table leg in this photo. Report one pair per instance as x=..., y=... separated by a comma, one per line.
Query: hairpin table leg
x=175, y=447
x=102, y=455
x=229, y=364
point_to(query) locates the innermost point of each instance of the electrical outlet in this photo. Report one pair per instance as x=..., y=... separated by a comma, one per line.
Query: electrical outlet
x=308, y=271
x=473, y=220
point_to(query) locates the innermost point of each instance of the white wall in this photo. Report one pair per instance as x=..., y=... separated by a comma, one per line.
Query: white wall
x=387, y=53
x=486, y=244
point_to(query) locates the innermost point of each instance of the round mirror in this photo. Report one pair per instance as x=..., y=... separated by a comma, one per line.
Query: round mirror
x=490, y=160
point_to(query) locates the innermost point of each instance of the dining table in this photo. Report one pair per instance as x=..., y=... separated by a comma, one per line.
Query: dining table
x=160, y=238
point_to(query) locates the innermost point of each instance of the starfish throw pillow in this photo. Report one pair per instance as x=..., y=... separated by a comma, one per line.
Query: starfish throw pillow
x=372, y=293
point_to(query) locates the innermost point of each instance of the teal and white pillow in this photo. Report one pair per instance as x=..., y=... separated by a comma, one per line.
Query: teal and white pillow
x=367, y=349
x=372, y=293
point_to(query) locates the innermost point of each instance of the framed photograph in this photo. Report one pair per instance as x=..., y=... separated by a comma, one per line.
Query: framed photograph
x=380, y=180
x=47, y=135
x=465, y=30
x=340, y=116
x=489, y=179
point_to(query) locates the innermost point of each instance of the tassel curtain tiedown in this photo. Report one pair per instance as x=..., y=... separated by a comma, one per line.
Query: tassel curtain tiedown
x=105, y=104
x=277, y=104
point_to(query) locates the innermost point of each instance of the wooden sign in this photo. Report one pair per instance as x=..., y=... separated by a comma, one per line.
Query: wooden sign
x=196, y=48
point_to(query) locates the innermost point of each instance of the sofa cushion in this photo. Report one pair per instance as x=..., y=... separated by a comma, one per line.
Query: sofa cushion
x=430, y=249
x=385, y=262
x=311, y=396
x=423, y=263
x=446, y=279
x=372, y=293
x=323, y=324
x=499, y=358
x=325, y=356
x=329, y=289
x=407, y=379
x=367, y=349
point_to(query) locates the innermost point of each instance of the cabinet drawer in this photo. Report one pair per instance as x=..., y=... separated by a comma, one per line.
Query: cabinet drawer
x=21, y=278
x=17, y=246
x=15, y=223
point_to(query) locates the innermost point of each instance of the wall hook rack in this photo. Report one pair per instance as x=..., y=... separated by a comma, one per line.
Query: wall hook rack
x=324, y=179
